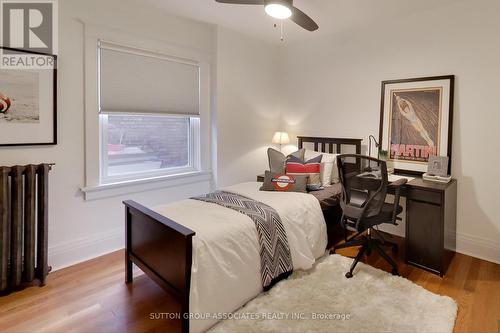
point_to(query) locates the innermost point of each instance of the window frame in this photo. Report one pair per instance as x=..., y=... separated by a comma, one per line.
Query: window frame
x=93, y=187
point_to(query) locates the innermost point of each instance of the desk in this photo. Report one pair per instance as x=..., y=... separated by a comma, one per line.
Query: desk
x=431, y=215
x=431, y=223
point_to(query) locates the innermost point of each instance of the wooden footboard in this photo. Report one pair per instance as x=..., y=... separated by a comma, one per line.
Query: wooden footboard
x=162, y=249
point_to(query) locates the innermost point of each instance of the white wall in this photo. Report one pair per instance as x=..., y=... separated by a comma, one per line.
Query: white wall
x=84, y=229
x=332, y=88
x=325, y=86
x=247, y=105
x=243, y=88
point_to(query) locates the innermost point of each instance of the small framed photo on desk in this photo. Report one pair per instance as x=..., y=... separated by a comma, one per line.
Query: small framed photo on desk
x=438, y=166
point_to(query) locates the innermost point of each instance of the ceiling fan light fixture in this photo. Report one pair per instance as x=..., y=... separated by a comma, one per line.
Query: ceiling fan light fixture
x=278, y=10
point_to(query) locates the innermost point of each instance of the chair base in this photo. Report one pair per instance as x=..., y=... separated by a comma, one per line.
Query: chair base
x=368, y=243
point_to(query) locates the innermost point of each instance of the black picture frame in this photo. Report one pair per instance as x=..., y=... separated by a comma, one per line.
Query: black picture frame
x=386, y=83
x=54, y=98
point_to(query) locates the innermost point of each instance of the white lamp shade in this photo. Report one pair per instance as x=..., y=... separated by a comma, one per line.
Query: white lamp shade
x=281, y=138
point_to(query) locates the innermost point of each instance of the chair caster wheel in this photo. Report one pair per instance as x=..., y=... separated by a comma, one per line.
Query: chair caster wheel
x=395, y=272
x=395, y=249
x=348, y=275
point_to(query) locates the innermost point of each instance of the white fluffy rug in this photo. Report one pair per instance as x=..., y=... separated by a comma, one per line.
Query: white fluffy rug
x=323, y=300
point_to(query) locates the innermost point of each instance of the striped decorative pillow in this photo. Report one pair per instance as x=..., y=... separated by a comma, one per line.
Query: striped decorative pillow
x=311, y=168
x=329, y=170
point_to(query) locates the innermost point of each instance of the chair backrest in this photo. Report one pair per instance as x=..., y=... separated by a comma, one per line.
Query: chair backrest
x=364, y=186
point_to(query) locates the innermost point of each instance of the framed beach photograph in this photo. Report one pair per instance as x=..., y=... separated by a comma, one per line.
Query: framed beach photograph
x=28, y=99
x=416, y=117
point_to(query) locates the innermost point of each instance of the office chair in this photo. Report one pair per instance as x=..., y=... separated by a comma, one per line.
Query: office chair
x=364, y=188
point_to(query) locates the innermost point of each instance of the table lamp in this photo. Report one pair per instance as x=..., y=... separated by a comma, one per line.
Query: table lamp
x=281, y=138
x=377, y=145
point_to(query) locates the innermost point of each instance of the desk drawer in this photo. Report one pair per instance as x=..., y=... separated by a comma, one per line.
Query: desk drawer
x=425, y=196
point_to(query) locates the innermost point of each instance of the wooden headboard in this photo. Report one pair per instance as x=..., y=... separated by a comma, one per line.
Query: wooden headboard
x=332, y=145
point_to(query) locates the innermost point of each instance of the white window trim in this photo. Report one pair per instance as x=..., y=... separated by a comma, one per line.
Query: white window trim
x=93, y=187
x=145, y=184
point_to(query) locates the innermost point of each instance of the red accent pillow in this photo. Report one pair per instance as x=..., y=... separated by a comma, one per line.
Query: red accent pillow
x=312, y=168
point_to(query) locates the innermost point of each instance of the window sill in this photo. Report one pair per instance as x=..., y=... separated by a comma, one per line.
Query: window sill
x=141, y=185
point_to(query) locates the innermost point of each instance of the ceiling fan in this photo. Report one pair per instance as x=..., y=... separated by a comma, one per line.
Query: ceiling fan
x=280, y=9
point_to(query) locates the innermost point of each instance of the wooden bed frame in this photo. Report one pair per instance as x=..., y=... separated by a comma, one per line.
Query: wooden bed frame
x=162, y=248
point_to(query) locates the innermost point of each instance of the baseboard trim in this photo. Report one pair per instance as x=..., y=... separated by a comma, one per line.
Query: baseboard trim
x=86, y=248
x=474, y=246
x=478, y=247
x=82, y=249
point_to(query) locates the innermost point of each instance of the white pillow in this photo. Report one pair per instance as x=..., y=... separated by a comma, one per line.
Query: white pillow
x=329, y=171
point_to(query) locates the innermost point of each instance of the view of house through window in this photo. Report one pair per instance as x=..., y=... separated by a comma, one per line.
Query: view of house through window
x=144, y=144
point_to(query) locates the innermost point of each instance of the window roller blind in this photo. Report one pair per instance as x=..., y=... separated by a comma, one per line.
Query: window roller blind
x=137, y=81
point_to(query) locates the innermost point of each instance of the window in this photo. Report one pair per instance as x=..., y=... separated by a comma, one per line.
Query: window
x=135, y=145
x=148, y=113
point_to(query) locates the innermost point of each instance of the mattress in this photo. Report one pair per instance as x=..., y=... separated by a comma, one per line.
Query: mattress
x=225, y=272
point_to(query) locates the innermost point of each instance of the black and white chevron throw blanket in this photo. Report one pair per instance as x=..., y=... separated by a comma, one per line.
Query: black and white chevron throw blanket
x=275, y=257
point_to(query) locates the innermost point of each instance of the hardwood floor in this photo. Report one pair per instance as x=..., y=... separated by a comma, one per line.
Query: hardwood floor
x=92, y=297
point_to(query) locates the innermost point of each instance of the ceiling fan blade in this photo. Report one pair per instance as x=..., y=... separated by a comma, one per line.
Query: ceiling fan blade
x=303, y=20
x=242, y=2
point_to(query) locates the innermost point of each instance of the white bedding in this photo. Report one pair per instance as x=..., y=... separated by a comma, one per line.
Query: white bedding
x=226, y=261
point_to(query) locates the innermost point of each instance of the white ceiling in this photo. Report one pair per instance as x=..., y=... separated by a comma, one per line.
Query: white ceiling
x=332, y=16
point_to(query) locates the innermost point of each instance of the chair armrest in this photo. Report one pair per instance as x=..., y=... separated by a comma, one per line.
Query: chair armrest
x=399, y=182
x=397, y=194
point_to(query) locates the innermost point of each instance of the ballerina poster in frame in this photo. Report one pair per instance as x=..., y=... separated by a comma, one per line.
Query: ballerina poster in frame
x=416, y=118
